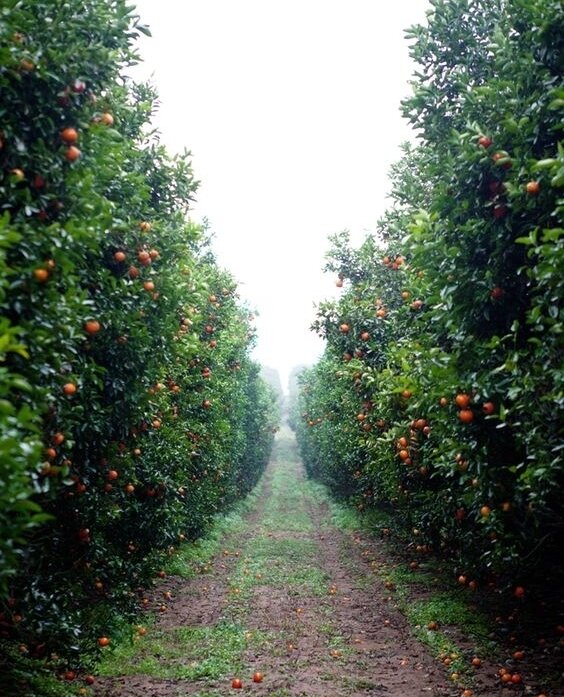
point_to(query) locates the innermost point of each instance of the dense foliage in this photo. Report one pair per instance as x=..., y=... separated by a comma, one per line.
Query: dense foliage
x=130, y=410
x=440, y=393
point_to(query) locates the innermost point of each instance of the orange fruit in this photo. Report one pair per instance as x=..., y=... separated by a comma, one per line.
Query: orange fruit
x=462, y=400
x=92, y=326
x=57, y=438
x=144, y=257
x=103, y=641
x=149, y=286
x=26, y=65
x=69, y=135
x=41, y=275
x=344, y=328
x=69, y=388
x=107, y=119
x=532, y=188
x=72, y=154
x=119, y=256
x=466, y=416
x=485, y=511
x=258, y=677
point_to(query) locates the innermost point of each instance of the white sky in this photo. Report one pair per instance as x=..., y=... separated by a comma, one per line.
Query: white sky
x=291, y=111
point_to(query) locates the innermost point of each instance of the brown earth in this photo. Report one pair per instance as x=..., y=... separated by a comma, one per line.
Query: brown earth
x=339, y=633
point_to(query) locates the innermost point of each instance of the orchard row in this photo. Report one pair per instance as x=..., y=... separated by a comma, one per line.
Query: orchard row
x=130, y=410
x=439, y=396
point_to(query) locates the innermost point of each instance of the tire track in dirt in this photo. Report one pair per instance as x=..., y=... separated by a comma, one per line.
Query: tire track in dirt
x=350, y=641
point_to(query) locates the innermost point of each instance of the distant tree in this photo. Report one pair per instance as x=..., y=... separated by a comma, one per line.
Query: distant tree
x=272, y=377
x=293, y=392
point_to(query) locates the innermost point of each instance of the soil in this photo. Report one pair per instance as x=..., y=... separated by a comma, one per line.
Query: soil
x=350, y=640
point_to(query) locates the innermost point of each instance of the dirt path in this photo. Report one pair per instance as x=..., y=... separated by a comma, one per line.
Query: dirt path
x=288, y=595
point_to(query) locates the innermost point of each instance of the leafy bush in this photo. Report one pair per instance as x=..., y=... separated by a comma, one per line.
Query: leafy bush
x=440, y=393
x=130, y=410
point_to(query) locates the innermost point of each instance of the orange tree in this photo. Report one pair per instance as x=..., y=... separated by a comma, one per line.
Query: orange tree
x=443, y=360
x=130, y=410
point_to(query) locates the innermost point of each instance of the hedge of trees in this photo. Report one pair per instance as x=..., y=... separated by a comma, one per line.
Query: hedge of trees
x=130, y=410
x=439, y=396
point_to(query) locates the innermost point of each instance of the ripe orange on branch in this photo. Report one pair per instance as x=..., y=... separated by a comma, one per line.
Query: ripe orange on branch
x=72, y=153
x=41, y=275
x=69, y=135
x=462, y=400
x=144, y=257
x=92, y=326
x=466, y=416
